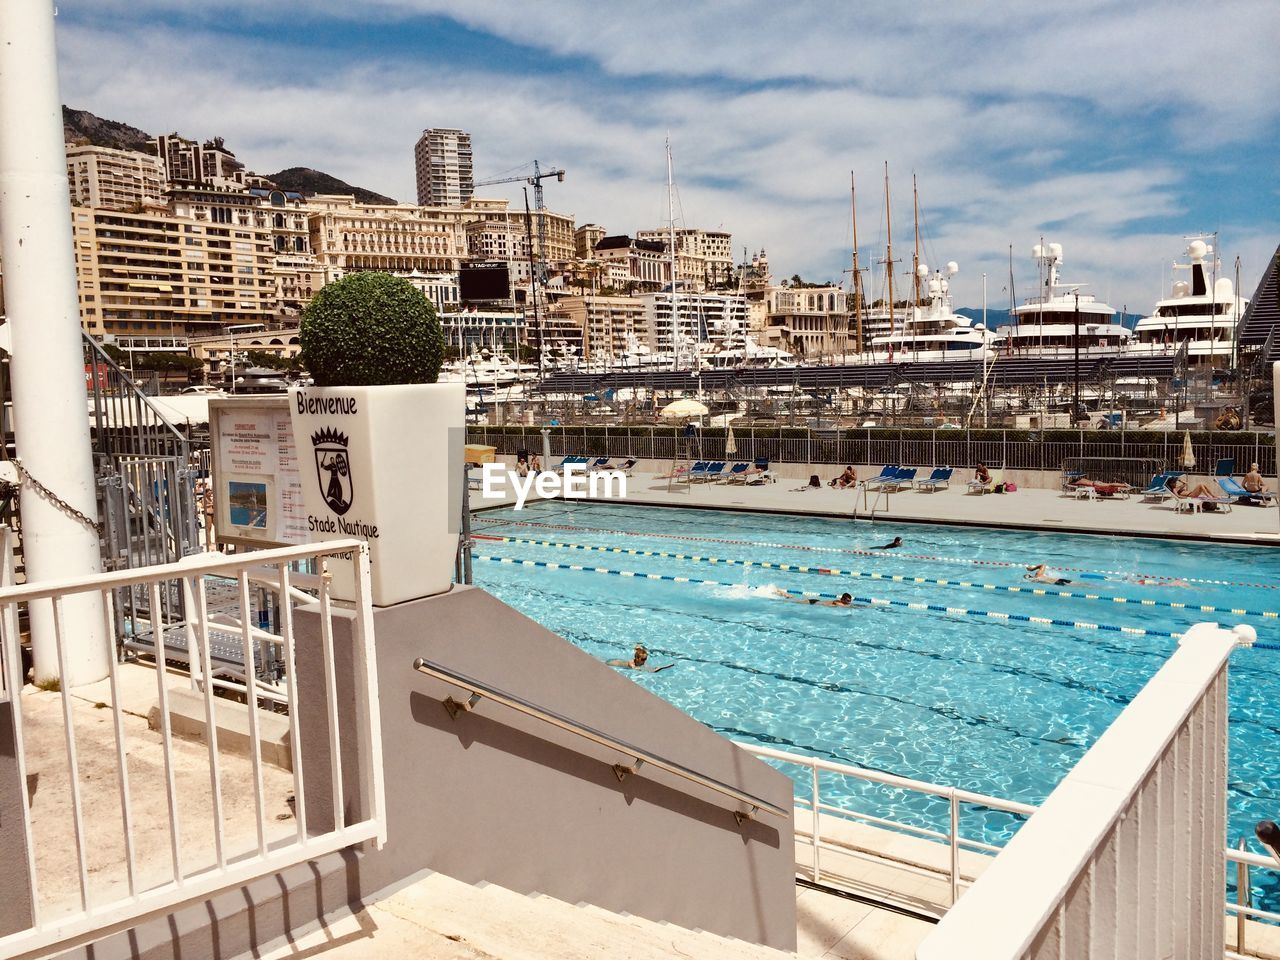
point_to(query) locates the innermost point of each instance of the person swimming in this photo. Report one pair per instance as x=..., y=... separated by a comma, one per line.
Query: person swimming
x=640, y=661
x=1039, y=573
x=897, y=542
x=844, y=600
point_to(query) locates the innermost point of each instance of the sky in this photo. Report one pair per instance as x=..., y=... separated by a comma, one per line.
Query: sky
x=1113, y=127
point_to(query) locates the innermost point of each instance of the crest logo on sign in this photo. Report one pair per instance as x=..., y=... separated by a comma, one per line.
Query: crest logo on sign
x=333, y=469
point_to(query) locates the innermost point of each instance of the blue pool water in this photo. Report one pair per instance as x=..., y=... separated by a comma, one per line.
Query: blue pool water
x=998, y=707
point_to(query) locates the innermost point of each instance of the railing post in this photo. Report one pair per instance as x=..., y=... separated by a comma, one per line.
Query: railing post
x=1244, y=898
x=816, y=870
x=955, y=846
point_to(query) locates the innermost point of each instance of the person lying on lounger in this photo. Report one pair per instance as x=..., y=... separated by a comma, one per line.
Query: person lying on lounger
x=640, y=661
x=1040, y=574
x=1199, y=490
x=845, y=599
x=1101, y=489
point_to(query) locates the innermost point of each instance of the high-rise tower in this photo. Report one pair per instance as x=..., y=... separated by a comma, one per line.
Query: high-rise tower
x=442, y=158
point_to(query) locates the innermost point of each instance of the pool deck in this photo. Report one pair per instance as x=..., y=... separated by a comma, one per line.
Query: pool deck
x=1026, y=509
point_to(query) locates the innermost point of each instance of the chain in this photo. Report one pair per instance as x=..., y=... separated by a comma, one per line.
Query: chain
x=57, y=501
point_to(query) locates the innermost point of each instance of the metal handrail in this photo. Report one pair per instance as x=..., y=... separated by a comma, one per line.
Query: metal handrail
x=519, y=704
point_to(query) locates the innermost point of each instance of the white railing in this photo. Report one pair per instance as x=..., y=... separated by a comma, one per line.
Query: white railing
x=1124, y=858
x=141, y=843
x=956, y=799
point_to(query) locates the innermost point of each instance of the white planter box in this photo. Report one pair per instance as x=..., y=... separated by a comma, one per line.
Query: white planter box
x=384, y=464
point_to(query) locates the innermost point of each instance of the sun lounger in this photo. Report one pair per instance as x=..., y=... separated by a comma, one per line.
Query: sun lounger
x=569, y=460
x=599, y=463
x=1232, y=488
x=977, y=486
x=755, y=474
x=887, y=472
x=1198, y=504
x=735, y=472
x=941, y=477
x=1158, y=488
x=905, y=477
x=694, y=472
x=712, y=472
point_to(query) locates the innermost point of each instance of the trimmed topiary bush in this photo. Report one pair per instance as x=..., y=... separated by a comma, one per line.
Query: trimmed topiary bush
x=371, y=329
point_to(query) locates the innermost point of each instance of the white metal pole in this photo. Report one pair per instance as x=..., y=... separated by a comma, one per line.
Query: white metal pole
x=50, y=403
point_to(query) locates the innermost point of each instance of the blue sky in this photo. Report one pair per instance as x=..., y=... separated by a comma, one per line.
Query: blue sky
x=1111, y=126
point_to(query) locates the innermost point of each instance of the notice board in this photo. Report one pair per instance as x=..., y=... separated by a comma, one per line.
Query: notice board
x=257, y=488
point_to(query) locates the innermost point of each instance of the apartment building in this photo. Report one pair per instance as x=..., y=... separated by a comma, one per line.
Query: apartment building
x=811, y=322
x=496, y=232
x=347, y=236
x=442, y=162
x=585, y=239
x=645, y=261
x=154, y=274
x=113, y=179
x=209, y=164
x=609, y=325
x=704, y=258
x=699, y=318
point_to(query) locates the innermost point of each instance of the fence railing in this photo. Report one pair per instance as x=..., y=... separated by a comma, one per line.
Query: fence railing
x=153, y=820
x=1012, y=449
x=1125, y=857
x=956, y=800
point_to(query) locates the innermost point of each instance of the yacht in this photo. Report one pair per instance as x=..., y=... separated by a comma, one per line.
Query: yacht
x=745, y=354
x=934, y=331
x=1202, y=320
x=486, y=370
x=1046, y=326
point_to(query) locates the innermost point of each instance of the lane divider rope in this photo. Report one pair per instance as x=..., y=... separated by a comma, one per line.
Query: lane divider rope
x=972, y=561
x=865, y=601
x=887, y=577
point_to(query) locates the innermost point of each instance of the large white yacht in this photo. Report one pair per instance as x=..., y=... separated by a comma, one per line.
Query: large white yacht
x=1202, y=312
x=1046, y=325
x=934, y=331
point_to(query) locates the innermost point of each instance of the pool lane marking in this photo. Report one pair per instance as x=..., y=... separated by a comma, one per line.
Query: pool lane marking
x=1083, y=571
x=865, y=601
x=891, y=577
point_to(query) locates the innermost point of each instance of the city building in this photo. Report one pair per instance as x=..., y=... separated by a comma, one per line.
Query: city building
x=113, y=179
x=347, y=237
x=645, y=261
x=704, y=258
x=209, y=164
x=496, y=232
x=440, y=288
x=609, y=325
x=700, y=318
x=483, y=330
x=585, y=239
x=152, y=274
x=442, y=161
x=811, y=322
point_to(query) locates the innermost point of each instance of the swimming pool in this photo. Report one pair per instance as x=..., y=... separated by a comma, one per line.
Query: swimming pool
x=998, y=706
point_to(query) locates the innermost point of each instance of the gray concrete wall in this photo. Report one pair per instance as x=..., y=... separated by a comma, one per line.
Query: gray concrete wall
x=15, y=884
x=497, y=796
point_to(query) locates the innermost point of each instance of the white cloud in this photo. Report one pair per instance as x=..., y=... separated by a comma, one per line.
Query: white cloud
x=979, y=115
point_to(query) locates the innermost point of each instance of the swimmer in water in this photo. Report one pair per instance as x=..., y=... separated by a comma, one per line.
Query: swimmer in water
x=640, y=661
x=897, y=542
x=844, y=600
x=1040, y=574
x=1159, y=582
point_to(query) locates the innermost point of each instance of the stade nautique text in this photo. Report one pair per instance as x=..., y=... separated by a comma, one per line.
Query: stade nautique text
x=576, y=482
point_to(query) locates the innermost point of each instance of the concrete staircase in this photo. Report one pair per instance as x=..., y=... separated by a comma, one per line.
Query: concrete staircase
x=439, y=918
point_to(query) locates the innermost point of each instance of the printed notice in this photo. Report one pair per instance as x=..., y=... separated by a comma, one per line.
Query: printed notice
x=257, y=486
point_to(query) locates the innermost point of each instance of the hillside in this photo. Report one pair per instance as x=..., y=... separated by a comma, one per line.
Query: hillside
x=81, y=126
x=309, y=182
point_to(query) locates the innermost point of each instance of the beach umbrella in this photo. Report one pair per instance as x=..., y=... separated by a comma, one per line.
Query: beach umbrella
x=681, y=409
x=730, y=443
x=1188, y=458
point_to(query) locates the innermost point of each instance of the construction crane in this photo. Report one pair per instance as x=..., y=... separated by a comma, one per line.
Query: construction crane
x=538, y=203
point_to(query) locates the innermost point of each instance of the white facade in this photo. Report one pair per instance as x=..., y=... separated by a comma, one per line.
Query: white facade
x=442, y=161
x=701, y=318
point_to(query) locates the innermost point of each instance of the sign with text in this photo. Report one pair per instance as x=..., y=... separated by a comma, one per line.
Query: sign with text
x=256, y=476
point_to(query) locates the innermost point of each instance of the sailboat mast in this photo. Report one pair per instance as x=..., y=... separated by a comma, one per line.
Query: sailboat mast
x=915, y=257
x=671, y=216
x=857, y=271
x=888, y=247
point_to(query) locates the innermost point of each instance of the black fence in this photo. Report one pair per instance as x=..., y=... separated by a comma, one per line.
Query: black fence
x=1012, y=449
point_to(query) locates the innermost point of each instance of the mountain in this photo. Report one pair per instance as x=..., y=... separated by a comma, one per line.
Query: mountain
x=995, y=318
x=81, y=126
x=309, y=182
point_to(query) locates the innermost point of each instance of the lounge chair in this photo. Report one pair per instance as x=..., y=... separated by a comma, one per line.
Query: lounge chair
x=758, y=474
x=712, y=472
x=941, y=477
x=694, y=472
x=905, y=477
x=736, y=471
x=1158, y=488
x=1231, y=487
x=599, y=463
x=977, y=486
x=1197, y=504
x=887, y=472
x=569, y=460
